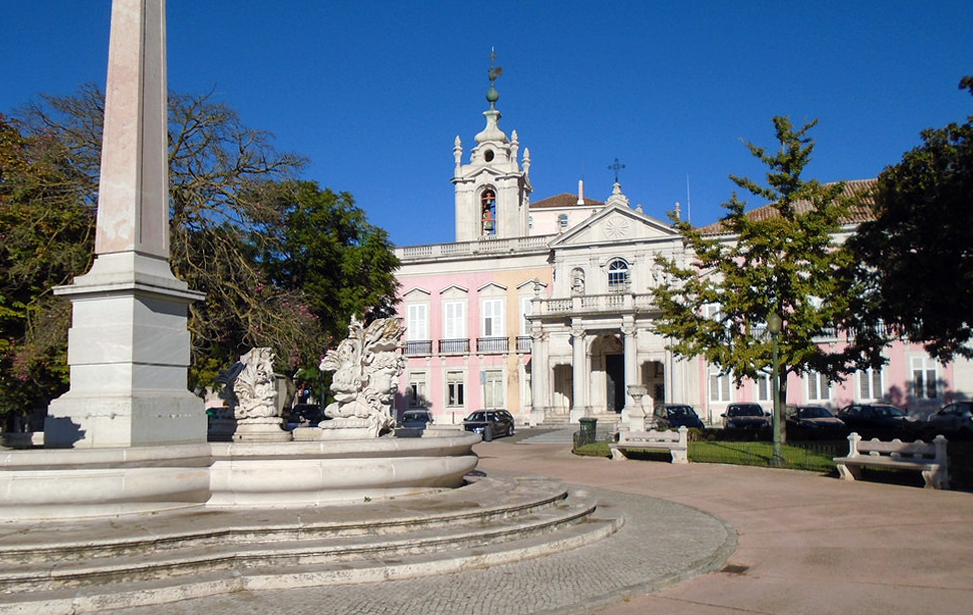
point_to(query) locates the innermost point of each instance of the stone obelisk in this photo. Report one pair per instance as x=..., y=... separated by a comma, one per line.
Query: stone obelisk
x=128, y=347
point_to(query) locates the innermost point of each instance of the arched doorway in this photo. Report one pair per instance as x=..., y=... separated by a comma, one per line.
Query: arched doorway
x=607, y=374
x=654, y=379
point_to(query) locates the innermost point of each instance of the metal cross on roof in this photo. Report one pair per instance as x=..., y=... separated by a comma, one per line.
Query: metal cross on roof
x=616, y=167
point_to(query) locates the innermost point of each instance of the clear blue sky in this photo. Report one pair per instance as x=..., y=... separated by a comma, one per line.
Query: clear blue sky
x=375, y=92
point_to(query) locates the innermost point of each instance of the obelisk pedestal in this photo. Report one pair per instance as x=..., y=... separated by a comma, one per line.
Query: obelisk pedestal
x=128, y=347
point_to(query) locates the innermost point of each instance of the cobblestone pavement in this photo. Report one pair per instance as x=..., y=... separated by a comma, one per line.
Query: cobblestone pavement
x=805, y=543
x=660, y=543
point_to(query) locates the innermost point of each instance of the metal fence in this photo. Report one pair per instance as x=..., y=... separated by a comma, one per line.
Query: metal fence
x=805, y=455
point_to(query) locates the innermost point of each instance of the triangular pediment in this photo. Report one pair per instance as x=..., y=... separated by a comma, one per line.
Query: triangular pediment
x=492, y=288
x=615, y=224
x=416, y=293
x=531, y=283
x=484, y=170
x=454, y=290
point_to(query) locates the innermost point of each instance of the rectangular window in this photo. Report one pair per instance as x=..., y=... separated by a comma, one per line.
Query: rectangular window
x=525, y=311
x=925, y=377
x=417, y=321
x=719, y=385
x=493, y=389
x=871, y=384
x=455, y=390
x=417, y=390
x=493, y=318
x=764, y=388
x=562, y=221
x=818, y=387
x=713, y=311
x=454, y=320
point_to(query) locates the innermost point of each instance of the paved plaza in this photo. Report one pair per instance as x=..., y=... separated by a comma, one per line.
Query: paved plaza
x=795, y=543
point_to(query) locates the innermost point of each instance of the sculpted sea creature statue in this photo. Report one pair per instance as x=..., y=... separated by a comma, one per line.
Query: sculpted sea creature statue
x=255, y=389
x=366, y=367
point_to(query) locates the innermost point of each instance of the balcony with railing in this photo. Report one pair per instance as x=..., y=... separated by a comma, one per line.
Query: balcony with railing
x=488, y=345
x=417, y=348
x=611, y=303
x=523, y=343
x=454, y=346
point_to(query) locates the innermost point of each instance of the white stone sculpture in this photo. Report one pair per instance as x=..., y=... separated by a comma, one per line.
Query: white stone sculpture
x=366, y=367
x=255, y=387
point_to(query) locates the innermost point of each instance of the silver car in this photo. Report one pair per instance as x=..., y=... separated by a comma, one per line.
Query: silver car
x=956, y=418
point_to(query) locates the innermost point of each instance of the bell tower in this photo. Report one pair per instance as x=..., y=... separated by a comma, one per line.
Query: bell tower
x=492, y=190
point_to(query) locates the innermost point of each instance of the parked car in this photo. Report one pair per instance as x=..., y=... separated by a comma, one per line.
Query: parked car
x=416, y=419
x=677, y=415
x=813, y=417
x=500, y=422
x=745, y=416
x=873, y=416
x=956, y=418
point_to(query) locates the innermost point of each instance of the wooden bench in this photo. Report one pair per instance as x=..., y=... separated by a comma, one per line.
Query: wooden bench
x=676, y=442
x=928, y=458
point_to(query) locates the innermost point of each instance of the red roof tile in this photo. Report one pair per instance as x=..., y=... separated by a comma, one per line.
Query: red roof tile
x=860, y=212
x=564, y=200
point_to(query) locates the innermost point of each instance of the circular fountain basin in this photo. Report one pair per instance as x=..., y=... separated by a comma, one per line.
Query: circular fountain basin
x=68, y=483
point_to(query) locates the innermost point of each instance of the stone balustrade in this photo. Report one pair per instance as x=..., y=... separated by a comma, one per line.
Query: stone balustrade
x=473, y=248
x=593, y=304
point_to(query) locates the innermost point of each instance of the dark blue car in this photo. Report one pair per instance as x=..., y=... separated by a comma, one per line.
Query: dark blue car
x=746, y=416
x=677, y=415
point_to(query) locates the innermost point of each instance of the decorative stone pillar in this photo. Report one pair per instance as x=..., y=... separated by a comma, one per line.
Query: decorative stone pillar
x=539, y=372
x=128, y=347
x=629, y=343
x=579, y=372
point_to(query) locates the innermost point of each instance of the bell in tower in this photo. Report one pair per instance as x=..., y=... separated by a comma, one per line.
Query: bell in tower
x=492, y=189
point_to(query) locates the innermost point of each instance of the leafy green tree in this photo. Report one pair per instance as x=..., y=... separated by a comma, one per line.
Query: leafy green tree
x=787, y=261
x=327, y=249
x=224, y=209
x=46, y=238
x=916, y=255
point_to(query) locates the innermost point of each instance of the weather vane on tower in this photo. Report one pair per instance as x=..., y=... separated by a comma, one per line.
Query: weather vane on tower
x=495, y=71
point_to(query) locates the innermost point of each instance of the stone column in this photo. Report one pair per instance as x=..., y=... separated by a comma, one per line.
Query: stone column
x=579, y=372
x=539, y=373
x=631, y=368
x=128, y=347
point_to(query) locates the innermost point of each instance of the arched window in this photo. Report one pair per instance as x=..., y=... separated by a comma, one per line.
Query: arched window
x=617, y=275
x=488, y=212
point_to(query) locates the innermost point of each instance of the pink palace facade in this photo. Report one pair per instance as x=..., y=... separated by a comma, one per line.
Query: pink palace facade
x=545, y=309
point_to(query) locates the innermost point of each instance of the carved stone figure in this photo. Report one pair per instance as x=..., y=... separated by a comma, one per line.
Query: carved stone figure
x=256, y=390
x=577, y=282
x=366, y=367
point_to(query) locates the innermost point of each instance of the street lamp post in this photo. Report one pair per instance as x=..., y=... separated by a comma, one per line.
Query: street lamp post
x=774, y=326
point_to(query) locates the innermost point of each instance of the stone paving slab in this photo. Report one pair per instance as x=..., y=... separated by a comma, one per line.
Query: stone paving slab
x=808, y=542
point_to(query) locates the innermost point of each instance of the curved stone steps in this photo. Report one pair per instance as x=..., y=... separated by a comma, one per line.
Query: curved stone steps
x=483, y=500
x=239, y=556
x=496, y=521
